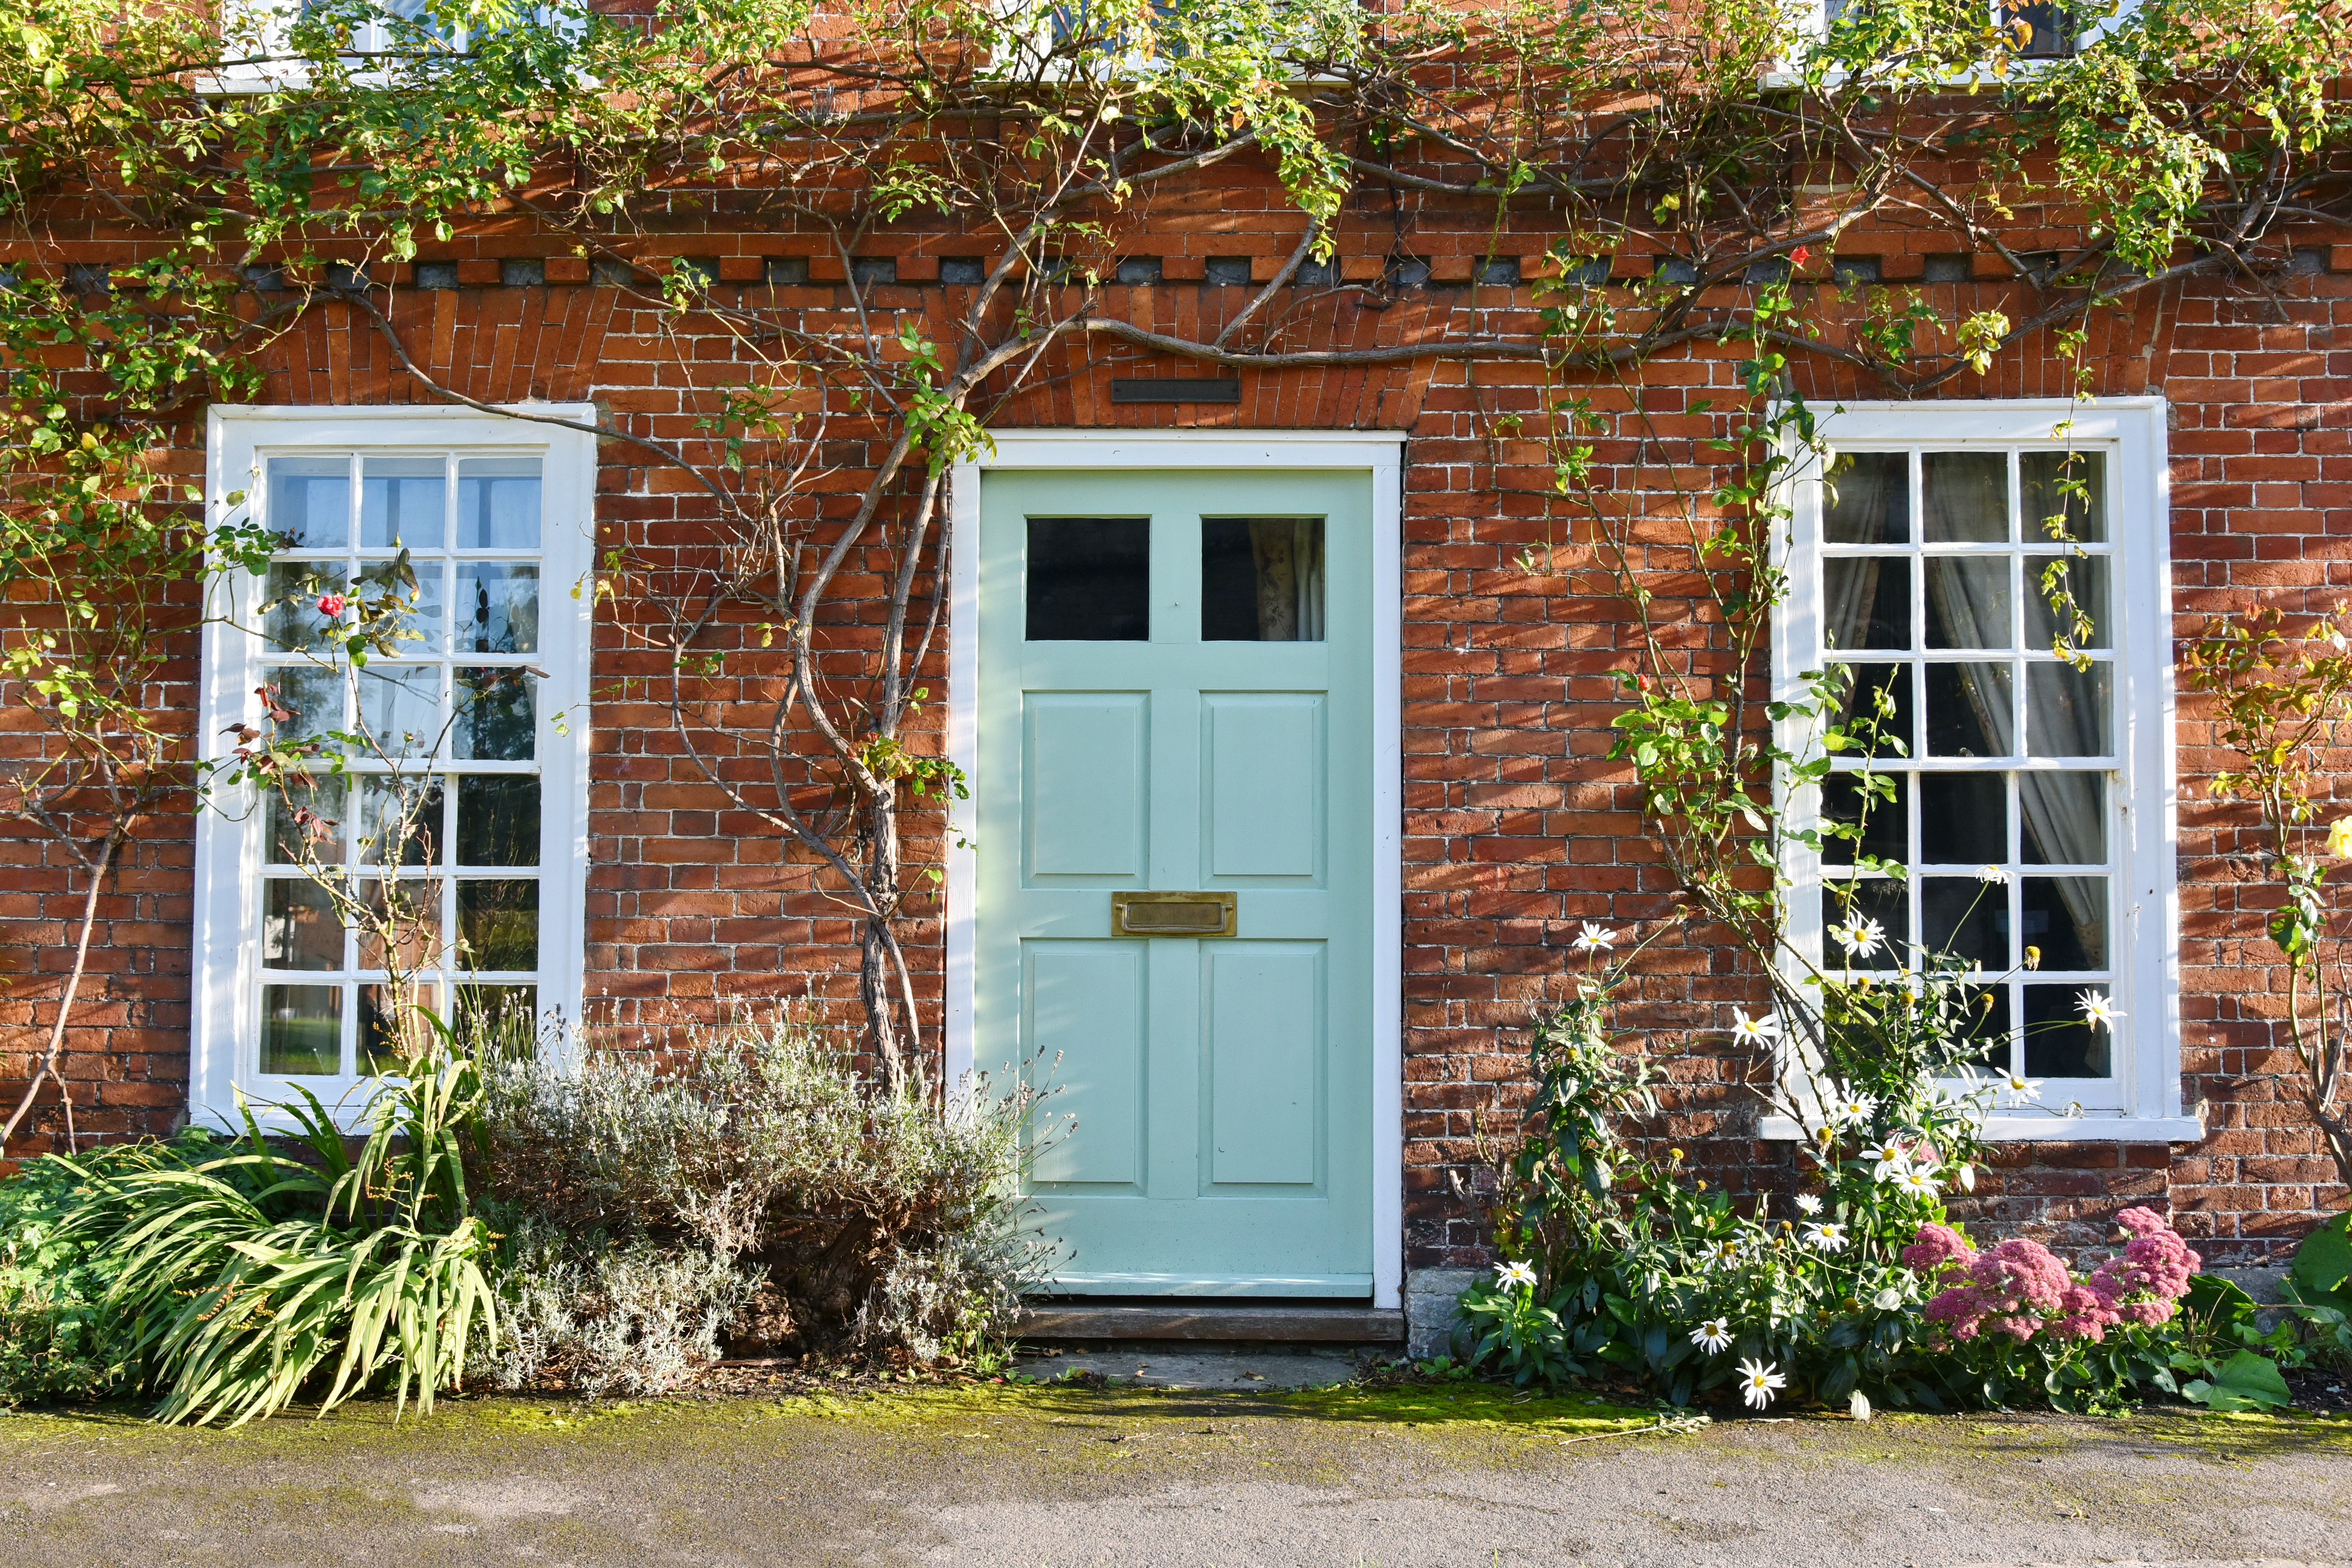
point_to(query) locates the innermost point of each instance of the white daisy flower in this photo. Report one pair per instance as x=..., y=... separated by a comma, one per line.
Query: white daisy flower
x=1808, y=1204
x=1921, y=1180
x=1749, y=1030
x=1757, y=1380
x=1851, y=1108
x=1714, y=1336
x=1594, y=938
x=1886, y=1161
x=1826, y=1237
x=1508, y=1275
x=2097, y=1010
x=1858, y=936
x=2016, y=1089
x=1992, y=874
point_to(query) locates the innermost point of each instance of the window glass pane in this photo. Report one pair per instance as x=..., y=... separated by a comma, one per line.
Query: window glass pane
x=1877, y=713
x=498, y=608
x=401, y=810
x=302, y=1031
x=2067, y=917
x=290, y=617
x=2065, y=495
x=298, y=926
x=313, y=697
x=1964, y=819
x=403, y=924
x=1967, y=601
x=309, y=503
x=2064, y=818
x=1866, y=499
x=380, y=1023
x=1261, y=579
x=2039, y=29
x=497, y=820
x=495, y=1017
x=497, y=503
x=306, y=822
x=416, y=583
x=1866, y=601
x=498, y=924
x=2068, y=710
x=2080, y=584
x=402, y=502
x=1985, y=1019
x=1880, y=899
x=1964, y=498
x=1886, y=823
x=1967, y=917
x=496, y=717
x=1089, y=579
x=400, y=710
x=1969, y=710
x=2058, y=1042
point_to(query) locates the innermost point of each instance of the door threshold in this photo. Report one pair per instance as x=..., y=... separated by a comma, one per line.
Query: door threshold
x=1262, y=1321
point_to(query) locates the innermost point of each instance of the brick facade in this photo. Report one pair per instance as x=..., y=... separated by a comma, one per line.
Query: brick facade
x=1515, y=827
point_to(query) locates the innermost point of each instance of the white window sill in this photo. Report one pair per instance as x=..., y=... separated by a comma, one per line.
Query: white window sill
x=2093, y=1127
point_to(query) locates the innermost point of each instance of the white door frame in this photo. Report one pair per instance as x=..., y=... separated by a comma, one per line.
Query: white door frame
x=1382, y=453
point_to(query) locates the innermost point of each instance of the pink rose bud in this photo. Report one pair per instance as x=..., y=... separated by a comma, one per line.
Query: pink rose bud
x=331, y=605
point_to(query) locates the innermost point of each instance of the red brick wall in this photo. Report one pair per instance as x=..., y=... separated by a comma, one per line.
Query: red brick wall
x=1515, y=827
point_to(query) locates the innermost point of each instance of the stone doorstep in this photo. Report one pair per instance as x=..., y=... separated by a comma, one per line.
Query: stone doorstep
x=1222, y=1321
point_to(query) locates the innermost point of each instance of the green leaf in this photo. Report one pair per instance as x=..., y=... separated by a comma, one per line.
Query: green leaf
x=2324, y=1261
x=2246, y=1382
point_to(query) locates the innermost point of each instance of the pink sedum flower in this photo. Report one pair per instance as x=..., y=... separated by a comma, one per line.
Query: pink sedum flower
x=2020, y=1288
x=1935, y=1246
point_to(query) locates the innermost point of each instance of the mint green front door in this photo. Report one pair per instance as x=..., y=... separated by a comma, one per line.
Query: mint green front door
x=1175, y=698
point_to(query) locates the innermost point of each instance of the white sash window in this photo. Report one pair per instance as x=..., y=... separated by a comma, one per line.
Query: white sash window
x=445, y=776
x=1936, y=561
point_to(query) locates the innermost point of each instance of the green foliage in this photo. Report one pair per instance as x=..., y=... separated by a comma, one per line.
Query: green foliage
x=2282, y=691
x=57, y=1340
x=2245, y=1382
x=873, y=1221
x=243, y=1279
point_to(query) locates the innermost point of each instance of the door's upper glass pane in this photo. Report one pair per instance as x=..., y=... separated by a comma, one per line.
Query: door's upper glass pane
x=1089, y=579
x=1261, y=579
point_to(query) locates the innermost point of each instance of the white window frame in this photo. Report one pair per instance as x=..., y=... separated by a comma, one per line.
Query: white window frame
x=2145, y=787
x=225, y=985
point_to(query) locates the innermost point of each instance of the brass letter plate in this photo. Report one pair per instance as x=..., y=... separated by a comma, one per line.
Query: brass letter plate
x=1172, y=914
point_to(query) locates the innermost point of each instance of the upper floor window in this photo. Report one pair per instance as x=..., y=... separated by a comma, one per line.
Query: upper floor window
x=426, y=841
x=1987, y=581
x=2032, y=32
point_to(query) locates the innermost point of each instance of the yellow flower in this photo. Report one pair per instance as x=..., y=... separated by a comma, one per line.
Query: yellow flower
x=2339, y=837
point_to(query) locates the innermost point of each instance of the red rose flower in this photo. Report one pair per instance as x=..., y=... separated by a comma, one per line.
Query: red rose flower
x=331, y=605
x=1796, y=257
